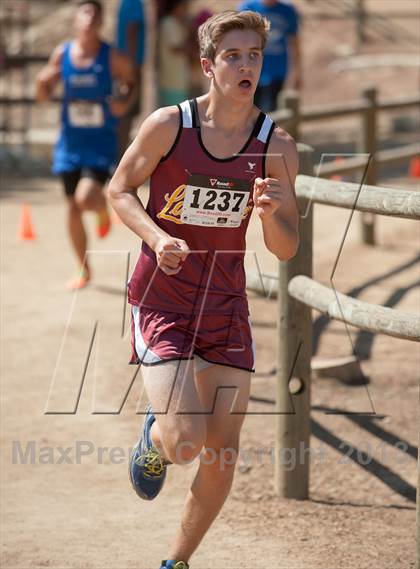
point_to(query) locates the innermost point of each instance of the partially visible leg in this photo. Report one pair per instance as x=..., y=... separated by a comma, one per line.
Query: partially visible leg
x=179, y=431
x=266, y=97
x=83, y=194
x=173, y=427
x=76, y=228
x=77, y=232
x=89, y=196
x=275, y=90
x=263, y=99
x=258, y=98
x=214, y=478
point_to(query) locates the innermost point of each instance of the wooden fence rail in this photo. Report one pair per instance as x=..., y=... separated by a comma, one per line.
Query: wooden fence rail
x=368, y=109
x=372, y=199
x=389, y=156
x=333, y=111
x=298, y=294
x=371, y=317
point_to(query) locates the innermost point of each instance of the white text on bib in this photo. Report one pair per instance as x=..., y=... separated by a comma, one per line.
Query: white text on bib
x=84, y=114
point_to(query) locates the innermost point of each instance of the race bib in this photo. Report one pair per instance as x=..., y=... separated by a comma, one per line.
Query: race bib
x=215, y=202
x=84, y=114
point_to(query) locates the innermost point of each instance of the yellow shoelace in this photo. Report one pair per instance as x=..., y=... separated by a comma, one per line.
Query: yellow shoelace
x=152, y=463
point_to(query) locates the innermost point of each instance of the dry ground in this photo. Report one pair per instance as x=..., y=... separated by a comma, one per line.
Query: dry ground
x=361, y=511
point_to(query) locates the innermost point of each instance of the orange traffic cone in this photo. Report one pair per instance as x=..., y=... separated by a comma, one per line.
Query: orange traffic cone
x=26, y=230
x=337, y=177
x=415, y=167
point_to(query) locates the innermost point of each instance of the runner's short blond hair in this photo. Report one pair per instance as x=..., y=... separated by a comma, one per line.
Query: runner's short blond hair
x=210, y=33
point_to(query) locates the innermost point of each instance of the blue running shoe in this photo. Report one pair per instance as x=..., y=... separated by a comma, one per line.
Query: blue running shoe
x=172, y=564
x=147, y=468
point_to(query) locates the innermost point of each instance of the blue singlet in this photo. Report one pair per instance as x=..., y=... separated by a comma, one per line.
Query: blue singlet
x=88, y=134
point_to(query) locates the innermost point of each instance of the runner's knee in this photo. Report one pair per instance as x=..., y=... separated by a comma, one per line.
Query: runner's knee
x=220, y=459
x=89, y=195
x=184, y=446
x=81, y=202
x=85, y=202
x=74, y=209
x=223, y=449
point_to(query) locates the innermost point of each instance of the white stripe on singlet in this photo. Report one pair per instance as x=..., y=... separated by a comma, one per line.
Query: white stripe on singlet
x=187, y=121
x=265, y=129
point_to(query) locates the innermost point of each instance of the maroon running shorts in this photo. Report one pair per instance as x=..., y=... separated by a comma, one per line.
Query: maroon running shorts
x=215, y=338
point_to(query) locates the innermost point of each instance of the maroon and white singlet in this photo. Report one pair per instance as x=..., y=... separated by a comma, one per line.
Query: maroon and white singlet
x=207, y=202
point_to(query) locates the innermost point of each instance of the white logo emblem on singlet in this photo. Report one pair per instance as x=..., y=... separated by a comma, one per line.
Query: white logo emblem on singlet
x=215, y=202
x=85, y=80
x=251, y=168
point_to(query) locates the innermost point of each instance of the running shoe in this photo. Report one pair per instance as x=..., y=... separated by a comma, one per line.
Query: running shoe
x=172, y=564
x=147, y=468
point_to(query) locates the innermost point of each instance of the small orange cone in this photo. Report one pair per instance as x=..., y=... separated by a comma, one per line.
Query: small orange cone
x=337, y=177
x=415, y=167
x=26, y=230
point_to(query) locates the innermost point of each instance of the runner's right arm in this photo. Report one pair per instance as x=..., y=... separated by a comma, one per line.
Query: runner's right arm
x=49, y=75
x=153, y=141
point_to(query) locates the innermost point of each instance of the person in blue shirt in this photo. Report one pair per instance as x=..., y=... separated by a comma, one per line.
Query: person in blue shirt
x=282, y=52
x=131, y=40
x=86, y=151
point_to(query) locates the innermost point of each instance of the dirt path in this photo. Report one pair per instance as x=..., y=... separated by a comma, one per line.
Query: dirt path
x=87, y=516
x=79, y=515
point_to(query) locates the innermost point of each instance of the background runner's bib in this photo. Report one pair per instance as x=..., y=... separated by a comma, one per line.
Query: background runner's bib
x=84, y=114
x=207, y=202
x=215, y=202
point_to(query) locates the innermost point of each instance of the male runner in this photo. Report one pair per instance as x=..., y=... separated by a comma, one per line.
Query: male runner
x=210, y=160
x=130, y=39
x=86, y=150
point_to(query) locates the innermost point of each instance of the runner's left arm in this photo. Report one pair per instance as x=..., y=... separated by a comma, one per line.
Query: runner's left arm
x=123, y=70
x=274, y=197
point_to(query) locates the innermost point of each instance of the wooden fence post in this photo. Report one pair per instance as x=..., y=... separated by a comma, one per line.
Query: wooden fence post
x=291, y=101
x=294, y=362
x=368, y=145
x=360, y=22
